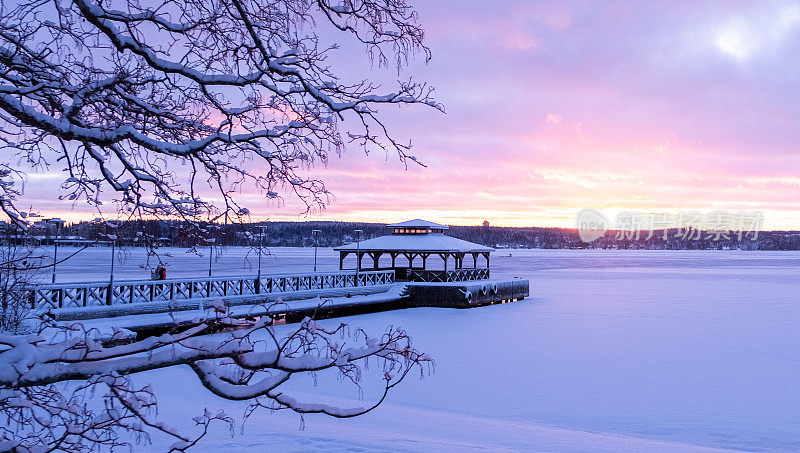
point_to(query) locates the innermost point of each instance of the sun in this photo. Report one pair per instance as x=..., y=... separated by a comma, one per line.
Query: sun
x=742, y=37
x=735, y=41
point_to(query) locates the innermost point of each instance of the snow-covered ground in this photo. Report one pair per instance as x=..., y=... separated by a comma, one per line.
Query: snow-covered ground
x=613, y=351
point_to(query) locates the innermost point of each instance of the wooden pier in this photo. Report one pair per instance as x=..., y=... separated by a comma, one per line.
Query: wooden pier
x=156, y=304
x=392, y=297
x=370, y=292
x=467, y=294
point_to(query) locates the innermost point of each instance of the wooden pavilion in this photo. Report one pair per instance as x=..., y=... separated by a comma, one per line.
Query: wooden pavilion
x=416, y=242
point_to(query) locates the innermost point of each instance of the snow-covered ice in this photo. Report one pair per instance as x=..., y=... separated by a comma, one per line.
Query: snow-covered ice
x=613, y=351
x=94, y=263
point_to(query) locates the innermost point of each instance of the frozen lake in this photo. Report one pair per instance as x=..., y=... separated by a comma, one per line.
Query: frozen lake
x=94, y=263
x=696, y=347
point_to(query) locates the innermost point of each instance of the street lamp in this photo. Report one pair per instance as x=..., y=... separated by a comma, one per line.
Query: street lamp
x=260, y=247
x=315, y=234
x=358, y=253
x=210, y=253
x=55, y=245
x=113, y=238
x=211, y=242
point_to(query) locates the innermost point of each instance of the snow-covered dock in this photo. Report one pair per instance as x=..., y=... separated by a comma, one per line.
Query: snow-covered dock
x=376, y=299
x=466, y=294
x=288, y=298
x=393, y=284
x=294, y=305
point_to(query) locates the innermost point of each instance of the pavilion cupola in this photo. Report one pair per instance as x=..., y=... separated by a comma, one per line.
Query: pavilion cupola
x=417, y=226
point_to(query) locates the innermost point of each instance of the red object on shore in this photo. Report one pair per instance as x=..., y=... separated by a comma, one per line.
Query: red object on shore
x=160, y=273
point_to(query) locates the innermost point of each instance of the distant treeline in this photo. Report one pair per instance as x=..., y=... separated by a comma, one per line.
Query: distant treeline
x=673, y=239
x=299, y=234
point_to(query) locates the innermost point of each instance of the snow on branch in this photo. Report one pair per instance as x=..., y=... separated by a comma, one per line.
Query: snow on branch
x=250, y=364
x=161, y=102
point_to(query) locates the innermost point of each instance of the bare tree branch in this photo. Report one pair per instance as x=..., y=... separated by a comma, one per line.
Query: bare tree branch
x=238, y=91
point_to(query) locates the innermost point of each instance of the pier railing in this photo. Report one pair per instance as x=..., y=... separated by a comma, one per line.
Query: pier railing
x=457, y=275
x=66, y=295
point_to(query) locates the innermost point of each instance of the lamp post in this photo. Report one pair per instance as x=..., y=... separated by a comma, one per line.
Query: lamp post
x=358, y=254
x=315, y=234
x=113, y=238
x=211, y=242
x=55, y=249
x=260, y=228
x=210, y=254
x=260, y=247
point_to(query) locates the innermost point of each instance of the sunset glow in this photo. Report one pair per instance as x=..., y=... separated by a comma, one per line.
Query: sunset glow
x=552, y=108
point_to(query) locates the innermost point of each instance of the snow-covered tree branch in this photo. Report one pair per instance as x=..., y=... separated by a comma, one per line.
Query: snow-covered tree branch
x=158, y=100
x=250, y=364
x=169, y=108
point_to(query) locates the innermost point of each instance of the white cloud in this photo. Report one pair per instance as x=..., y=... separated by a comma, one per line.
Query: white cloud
x=566, y=177
x=552, y=118
x=742, y=37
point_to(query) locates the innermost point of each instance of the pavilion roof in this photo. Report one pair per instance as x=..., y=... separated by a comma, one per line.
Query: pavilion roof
x=434, y=242
x=418, y=223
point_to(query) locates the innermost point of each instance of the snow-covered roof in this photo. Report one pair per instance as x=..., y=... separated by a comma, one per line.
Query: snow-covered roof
x=418, y=223
x=433, y=242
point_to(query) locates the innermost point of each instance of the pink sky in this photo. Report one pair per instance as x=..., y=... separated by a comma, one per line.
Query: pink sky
x=557, y=106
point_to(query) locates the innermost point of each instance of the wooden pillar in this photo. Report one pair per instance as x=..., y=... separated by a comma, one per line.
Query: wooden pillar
x=341, y=259
x=474, y=260
x=410, y=258
x=376, y=257
x=394, y=256
x=424, y=259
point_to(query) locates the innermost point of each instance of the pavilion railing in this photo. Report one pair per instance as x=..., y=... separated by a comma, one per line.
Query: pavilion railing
x=72, y=295
x=457, y=275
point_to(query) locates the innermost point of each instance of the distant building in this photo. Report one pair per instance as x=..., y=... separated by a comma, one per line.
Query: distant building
x=486, y=224
x=49, y=226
